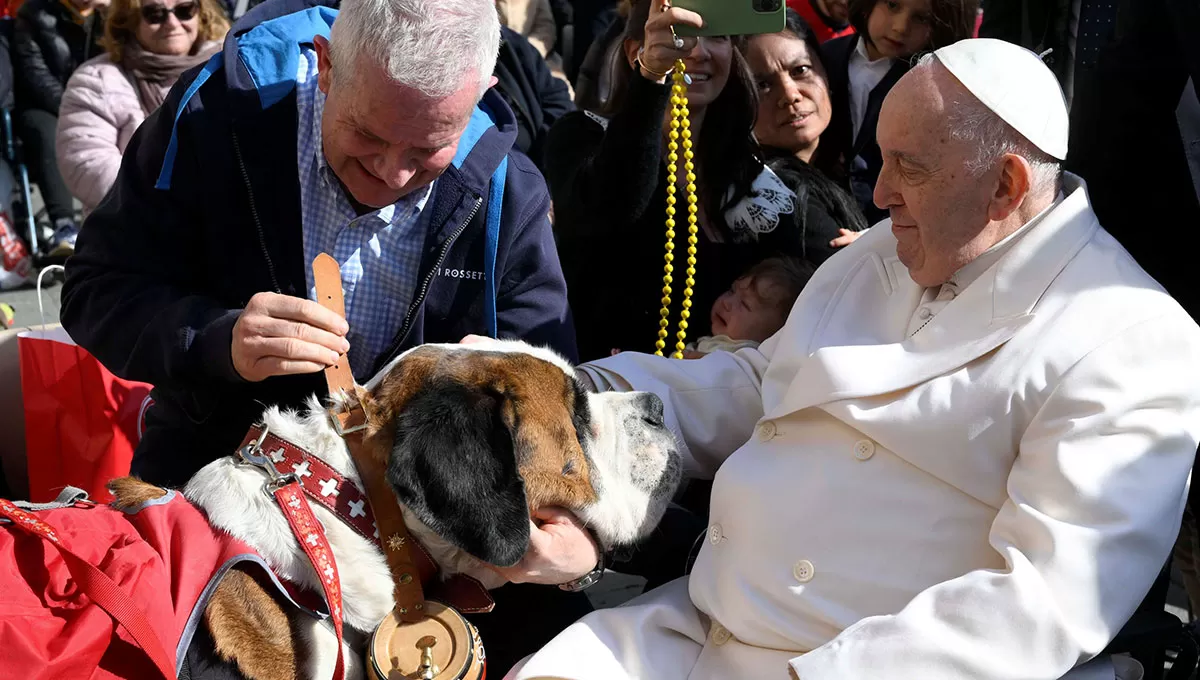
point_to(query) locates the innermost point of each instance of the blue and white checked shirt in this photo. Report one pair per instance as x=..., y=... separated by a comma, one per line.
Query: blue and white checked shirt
x=379, y=253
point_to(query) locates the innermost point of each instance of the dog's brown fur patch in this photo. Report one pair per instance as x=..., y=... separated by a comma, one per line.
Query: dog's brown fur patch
x=250, y=628
x=131, y=492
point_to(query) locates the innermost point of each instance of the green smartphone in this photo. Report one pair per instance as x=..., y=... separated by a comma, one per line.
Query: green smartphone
x=734, y=17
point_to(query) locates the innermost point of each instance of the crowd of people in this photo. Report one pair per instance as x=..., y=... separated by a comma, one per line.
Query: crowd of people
x=527, y=195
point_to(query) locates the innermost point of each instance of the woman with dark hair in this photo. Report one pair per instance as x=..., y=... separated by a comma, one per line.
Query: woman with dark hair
x=862, y=69
x=793, y=111
x=608, y=177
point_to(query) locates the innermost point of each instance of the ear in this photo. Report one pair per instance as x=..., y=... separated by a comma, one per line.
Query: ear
x=1013, y=185
x=454, y=465
x=324, y=63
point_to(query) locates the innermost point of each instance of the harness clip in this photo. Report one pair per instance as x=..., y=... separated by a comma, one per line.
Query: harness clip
x=252, y=454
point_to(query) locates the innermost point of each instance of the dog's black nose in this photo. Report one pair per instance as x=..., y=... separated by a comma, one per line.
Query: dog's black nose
x=652, y=408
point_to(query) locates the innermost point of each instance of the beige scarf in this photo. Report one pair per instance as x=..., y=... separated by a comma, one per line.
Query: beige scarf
x=154, y=74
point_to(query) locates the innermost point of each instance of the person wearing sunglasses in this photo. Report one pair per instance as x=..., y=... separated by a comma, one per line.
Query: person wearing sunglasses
x=148, y=44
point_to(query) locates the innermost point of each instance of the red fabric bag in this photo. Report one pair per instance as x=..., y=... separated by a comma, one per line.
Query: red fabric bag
x=82, y=423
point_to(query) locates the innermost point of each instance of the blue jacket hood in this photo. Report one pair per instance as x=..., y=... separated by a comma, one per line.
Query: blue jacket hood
x=261, y=54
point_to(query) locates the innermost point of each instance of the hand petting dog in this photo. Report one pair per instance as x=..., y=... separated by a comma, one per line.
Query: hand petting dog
x=560, y=550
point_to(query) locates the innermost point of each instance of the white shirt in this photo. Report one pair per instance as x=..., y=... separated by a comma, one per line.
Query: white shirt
x=864, y=75
x=935, y=300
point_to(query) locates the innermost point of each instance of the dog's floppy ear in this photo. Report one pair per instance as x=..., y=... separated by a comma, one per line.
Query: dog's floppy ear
x=454, y=465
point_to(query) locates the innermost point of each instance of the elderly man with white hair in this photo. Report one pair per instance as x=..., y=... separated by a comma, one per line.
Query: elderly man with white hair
x=964, y=456
x=369, y=133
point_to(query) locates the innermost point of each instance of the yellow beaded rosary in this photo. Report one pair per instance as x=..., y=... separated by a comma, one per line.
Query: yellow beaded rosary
x=679, y=130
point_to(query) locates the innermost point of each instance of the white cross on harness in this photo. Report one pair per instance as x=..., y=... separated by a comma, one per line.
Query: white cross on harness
x=295, y=502
x=329, y=487
x=277, y=455
x=301, y=469
x=312, y=539
x=356, y=509
x=329, y=573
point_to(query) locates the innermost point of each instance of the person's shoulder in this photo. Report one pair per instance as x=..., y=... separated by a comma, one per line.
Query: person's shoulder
x=40, y=12
x=521, y=165
x=576, y=134
x=583, y=121
x=100, y=71
x=839, y=49
x=1101, y=292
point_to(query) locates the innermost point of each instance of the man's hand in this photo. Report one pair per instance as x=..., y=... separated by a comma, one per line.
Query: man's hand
x=284, y=335
x=560, y=550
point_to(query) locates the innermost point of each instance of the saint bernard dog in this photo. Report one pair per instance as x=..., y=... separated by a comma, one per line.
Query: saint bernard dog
x=475, y=437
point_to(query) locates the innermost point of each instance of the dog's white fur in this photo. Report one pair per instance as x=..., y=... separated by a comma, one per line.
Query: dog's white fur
x=627, y=484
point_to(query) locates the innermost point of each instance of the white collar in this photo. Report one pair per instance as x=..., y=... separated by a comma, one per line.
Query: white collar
x=860, y=54
x=971, y=271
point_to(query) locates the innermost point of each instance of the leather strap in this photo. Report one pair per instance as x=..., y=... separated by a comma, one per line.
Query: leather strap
x=393, y=533
x=98, y=587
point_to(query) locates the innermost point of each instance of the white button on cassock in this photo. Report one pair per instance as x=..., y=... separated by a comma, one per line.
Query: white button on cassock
x=864, y=449
x=803, y=571
x=715, y=534
x=720, y=634
x=767, y=431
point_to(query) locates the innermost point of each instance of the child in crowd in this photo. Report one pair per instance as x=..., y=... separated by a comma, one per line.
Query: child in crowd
x=755, y=307
x=863, y=67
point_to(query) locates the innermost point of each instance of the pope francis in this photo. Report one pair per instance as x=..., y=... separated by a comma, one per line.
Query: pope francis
x=964, y=456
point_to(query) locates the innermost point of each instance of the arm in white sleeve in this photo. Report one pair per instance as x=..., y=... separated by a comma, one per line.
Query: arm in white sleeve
x=1095, y=498
x=712, y=404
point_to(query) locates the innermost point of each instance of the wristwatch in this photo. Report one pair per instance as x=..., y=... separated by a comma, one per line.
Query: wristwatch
x=587, y=580
x=592, y=577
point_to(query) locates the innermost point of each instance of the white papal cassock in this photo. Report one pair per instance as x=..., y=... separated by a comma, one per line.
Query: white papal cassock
x=988, y=498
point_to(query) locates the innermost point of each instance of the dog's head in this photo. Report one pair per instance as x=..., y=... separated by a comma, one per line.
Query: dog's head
x=477, y=436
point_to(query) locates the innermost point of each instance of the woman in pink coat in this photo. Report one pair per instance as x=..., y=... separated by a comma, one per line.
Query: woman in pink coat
x=148, y=46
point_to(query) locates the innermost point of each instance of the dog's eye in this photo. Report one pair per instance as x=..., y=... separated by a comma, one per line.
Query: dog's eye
x=568, y=468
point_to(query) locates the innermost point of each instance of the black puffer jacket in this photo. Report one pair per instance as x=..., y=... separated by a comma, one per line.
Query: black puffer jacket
x=536, y=97
x=49, y=41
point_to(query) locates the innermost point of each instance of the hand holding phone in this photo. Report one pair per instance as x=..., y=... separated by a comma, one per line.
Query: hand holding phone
x=660, y=50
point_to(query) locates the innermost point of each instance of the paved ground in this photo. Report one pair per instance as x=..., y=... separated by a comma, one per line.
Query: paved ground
x=25, y=307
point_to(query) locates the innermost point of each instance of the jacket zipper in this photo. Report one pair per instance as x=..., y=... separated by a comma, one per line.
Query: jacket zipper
x=262, y=239
x=416, y=303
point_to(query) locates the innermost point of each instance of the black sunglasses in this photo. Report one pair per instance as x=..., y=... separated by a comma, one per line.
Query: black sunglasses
x=156, y=14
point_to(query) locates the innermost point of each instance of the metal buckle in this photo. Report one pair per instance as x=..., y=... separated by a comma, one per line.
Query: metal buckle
x=252, y=454
x=335, y=411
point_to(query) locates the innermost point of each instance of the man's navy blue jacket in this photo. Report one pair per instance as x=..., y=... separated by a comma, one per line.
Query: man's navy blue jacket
x=206, y=212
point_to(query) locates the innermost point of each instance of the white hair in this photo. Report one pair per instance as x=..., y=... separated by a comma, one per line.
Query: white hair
x=431, y=46
x=971, y=121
